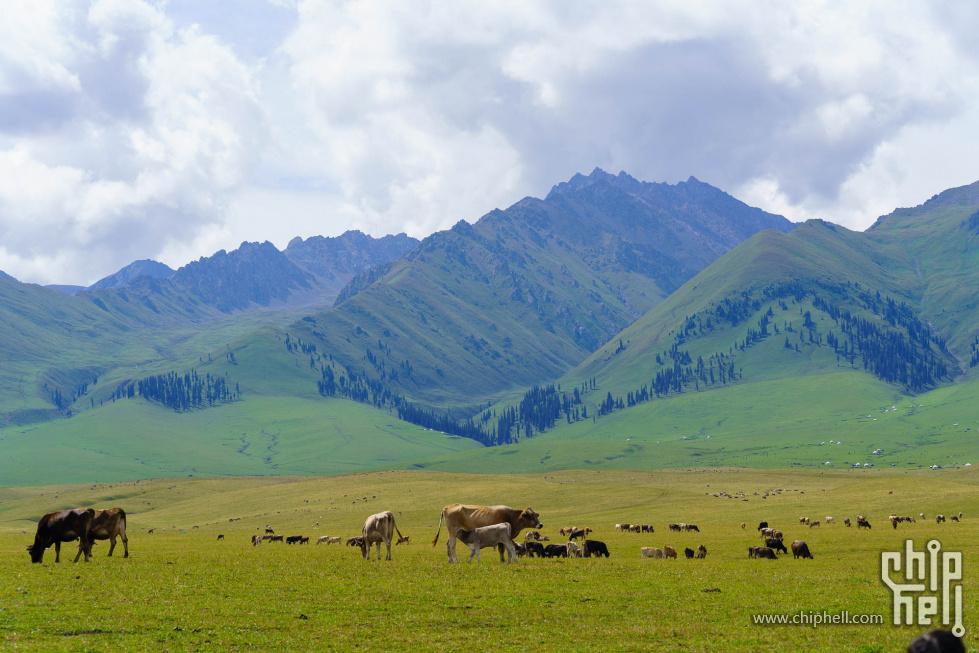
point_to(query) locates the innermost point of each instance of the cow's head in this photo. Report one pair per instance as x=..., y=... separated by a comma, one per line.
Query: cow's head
x=465, y=536
x=530, y=519
x=36, y=551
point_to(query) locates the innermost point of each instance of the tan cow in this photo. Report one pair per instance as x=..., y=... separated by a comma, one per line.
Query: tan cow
x=323, y=539
x=378, y=528
x=458, y=517
x=651, y=552
x=669, y=552
x=701, y=551
x=333, y=540
x=108, y=524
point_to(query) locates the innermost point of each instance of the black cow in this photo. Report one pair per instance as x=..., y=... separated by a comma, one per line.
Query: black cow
x=762, y=525
x=294, y=539
x=534, y=549
x=520, y=548
x=777, y=545
x=63, y=526
x=556, y=551
x=594, y=548
x=577, y=533
x=688, y=552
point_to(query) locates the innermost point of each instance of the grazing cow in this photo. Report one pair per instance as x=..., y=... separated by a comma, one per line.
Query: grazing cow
x=535, y=549
x=690, y=527
x=594, y=548
x=459, y=517
x=862, y=523
x=108, y=524
x=954, y=518
x=380, y=528
x=847, y=522
x=651, y=552
x=520, y=548
x=803, y=520
x=635, y=528
x=304, y=540
x=701, y=551
x=776, y=545
x=893, y=521
x=334, y=540
x=268, y=537
x=761, y=552
x=814, y=523
x=922, y=515
x=256, y=540
x=404, y=540
x=556, y=551
x=276, y=538
x=269, y=531
x=669, y=552
x=620, y=527
x=762, y=525
x=354, y=541
x=939, y=519
x=493, y=536
x=589, y=530
x=322, y=539
x=767, y=532
x=576, y=534
x=830, y=520
x=688, y=552
x=294, y=539
x=573, y=550
x=63, y=526
x=800, y=550
x=220, y=537
x=675, y=528
x=535, y=535
x=742, y=525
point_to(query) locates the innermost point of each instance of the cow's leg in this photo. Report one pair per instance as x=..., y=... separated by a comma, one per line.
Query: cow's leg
x=112, y=544
x=125, y=545
x=57, y=551
x=451, y=547
x=473, y=551
x=511, y=551
x=499, y=547
x=388, y=544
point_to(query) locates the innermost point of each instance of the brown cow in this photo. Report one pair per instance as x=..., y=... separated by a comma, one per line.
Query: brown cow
x=63, y=526
x=378, y=528
x=847, y=522
x=405, y=539
x=458, y=517
x=800, y=550
x=669, y=552
x=862, y=523
x=108, y=524
x=761, y=552
x=701, y=551
x=814, y=523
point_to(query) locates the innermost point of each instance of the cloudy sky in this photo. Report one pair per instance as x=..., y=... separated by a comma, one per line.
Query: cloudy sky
x=134, y=129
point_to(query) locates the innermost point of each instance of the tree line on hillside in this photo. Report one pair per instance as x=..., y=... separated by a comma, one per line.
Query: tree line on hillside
x=180, y=392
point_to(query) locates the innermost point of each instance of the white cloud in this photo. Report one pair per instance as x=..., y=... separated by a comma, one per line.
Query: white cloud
x=169, y=130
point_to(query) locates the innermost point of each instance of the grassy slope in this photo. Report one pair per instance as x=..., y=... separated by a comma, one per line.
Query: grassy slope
x=264, y=435
x=182, y=590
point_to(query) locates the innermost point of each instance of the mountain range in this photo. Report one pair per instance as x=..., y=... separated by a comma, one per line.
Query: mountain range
x=538, y=326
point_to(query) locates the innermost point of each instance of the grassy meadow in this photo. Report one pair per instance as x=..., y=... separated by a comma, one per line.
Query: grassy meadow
x=181, y=589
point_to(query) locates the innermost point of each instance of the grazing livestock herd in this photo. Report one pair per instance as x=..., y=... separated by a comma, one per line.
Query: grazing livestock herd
x=477, y=527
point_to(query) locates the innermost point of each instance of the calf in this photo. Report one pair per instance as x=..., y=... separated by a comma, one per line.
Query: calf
x=594, y=548
x=800, y=550
x=491, y=536
x=776, y=545
x=651, y=552
x=534, y=549
x=556, y=551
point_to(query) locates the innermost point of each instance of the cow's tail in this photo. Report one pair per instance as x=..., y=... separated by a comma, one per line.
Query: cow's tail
x=435, y=541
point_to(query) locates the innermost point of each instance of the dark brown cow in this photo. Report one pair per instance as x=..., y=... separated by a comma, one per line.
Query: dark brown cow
x=776, y=545
x=577, y=533
x=534, y=549
x=63, y=526
x=761, y=552
x=701, y=551
x=404, y=539
x=458, y=517
x=800, y=550
x=688, y=552
x=862, y=523
x=594, y=548
x=109, y=524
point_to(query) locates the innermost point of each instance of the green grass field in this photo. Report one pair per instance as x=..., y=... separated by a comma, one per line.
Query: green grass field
x=183, y=590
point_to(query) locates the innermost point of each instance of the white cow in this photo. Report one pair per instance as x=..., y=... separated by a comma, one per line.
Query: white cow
x=378, y=528
x=487, y=536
